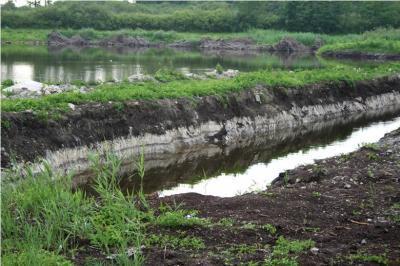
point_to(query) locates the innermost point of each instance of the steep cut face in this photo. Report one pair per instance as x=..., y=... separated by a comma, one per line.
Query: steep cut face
x=170, y=126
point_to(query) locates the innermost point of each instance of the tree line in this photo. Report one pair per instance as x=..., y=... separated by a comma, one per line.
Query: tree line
x=321, y=17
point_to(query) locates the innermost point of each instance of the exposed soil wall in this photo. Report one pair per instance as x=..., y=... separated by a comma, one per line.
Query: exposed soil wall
x=169, y=126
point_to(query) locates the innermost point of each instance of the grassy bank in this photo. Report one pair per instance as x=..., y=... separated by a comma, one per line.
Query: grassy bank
x=124, y=91
x=260, y=36
x=364, y=46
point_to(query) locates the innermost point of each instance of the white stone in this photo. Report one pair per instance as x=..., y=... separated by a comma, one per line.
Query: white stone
x=25, y=89
x=314, y=250
x=139, y=77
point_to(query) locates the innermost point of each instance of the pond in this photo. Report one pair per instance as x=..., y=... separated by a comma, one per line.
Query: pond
x=46, y=64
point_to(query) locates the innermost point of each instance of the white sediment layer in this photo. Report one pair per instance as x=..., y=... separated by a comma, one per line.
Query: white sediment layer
x=186, y=140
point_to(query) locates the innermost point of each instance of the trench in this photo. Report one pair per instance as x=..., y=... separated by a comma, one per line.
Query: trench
x=232, y=170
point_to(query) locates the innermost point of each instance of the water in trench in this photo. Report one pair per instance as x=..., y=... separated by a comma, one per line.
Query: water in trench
x=259, y=174
x=251, y=165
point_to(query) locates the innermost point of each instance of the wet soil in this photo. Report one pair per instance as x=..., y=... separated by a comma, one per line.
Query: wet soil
x=347, y=205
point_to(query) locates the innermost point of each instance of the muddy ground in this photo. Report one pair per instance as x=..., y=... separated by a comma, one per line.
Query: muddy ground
x=348, y=205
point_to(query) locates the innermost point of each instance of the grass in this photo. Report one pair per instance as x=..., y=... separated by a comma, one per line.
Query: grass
x=259, y=35
x=285, y=251
x=368, y=46
x=44, y=222
x=193, y=88
x=180, y=219
x=175, y=242
x=364, y=257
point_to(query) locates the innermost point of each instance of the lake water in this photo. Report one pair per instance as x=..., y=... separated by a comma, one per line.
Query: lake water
x=45, y=64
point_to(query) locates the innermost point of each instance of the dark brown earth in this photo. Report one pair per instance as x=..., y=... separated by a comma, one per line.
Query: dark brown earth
x=347, y=205
x=28, y=136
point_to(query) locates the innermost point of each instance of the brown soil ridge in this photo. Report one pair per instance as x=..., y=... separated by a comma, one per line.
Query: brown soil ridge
x=224, y=118
x=347, y=205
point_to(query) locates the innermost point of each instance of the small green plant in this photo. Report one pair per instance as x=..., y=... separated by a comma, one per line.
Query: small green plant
x=249, y=226
x=270, y=229
x=226, y=222
x=219, y=69
x=267, y=194
x=119, y=106
x=180, y=219
x=35, y=257
x=171, y=241
x=311, y=229
x=7, y=83
x=286, y=178
x=168, y=75
x=285, y=251
x=371, y=146
x=5, y=124
x=364, y=257
x=319, y=170
x=372, y=156
x=316, y=194
x=78, y=83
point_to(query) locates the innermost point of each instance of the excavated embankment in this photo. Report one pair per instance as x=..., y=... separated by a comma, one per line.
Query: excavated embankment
x=174, y=126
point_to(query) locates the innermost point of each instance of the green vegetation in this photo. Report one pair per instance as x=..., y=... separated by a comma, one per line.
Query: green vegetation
x=316, y=194
x=370, y=46
x=193, y=88
x=44, y=222
x=168, y=75
x=180, y=219
x=261, y=36
x=285, y=251
x=7, y=83
x=333, y=17
x=170, y=241
x=363, y=257
x=270, y=229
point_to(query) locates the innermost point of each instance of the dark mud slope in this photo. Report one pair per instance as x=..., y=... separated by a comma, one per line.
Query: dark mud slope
x=348, y=205
x=360, y=55
x=169, y=126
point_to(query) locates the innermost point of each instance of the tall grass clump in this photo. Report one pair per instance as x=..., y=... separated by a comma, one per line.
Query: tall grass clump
x=44, y=222
x=42, y=218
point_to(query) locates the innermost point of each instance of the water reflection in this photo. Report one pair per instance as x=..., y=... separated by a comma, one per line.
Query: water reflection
x=47, y=64
x=252, y=163
x=259, y=175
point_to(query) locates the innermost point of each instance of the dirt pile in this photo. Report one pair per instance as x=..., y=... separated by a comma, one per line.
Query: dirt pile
x=233, y=44
x=122, y=40
x=289, y=45
x=57, y=39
